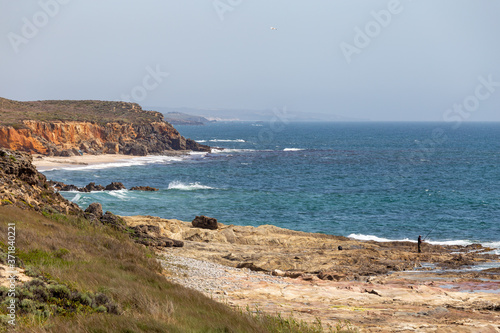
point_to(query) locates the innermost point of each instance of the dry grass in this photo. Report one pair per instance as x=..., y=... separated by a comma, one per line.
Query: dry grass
x=101, y=260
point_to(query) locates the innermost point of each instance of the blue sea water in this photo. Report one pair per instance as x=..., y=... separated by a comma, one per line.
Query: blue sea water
x=364, y=180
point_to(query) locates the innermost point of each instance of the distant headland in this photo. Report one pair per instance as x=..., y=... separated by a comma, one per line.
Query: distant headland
x=69, y=128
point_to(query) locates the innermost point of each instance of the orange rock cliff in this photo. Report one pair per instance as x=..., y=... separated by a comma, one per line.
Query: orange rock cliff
x=70, y=137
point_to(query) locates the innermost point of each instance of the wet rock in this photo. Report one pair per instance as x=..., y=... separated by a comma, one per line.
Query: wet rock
x=143, y=188
x=115, y=186
x=95, y=208
x=205, y=222
x=70, y=188
x=93, y=187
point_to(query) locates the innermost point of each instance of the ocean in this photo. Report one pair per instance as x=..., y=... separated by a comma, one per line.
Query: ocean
x=378, y=181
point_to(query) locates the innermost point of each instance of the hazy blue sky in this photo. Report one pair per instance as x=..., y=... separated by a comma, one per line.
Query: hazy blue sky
x=428, y=56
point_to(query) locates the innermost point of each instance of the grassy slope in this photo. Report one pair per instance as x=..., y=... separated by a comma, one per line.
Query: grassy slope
x=99, y=259
x=13, y=112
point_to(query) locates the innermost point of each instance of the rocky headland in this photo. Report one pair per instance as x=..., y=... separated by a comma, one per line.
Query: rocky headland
x=378, y=287
x=69, y=128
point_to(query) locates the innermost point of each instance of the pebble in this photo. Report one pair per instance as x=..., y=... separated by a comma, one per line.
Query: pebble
x=211, y=278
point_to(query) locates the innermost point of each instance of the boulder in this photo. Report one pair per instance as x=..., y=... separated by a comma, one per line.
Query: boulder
x=93, y=187
x=67, y=153
x=135, y=149
x=95, y=208
x=150, y=235
x=115, y=186
x=69, y=188
x=111, y=148
x=143, y=188
x=113, y=220
x=205, y=222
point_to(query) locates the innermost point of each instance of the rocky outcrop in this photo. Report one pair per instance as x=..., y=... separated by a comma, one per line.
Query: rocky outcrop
x=144, y=188
x=70, y=138
x=92, y=187
x=150, y=235
x=115, y=186
x=22, y=185
x=205, y=222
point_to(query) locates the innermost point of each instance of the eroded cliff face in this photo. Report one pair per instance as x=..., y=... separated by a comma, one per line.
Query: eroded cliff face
x=70, y=137
x=22, y=185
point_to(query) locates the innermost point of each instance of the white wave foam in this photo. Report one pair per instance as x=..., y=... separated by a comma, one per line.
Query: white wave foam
x=224, y=140
x=138, y=161
x=377, y=239
x=120, y=194
x=460, y=242
x=202, y=141
x=293, y=149
x=217, y=150
x=178, y=185
x=76, y=198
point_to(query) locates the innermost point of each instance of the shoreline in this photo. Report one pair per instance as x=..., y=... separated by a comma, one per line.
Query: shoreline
x=46, y=163
x=377, y=287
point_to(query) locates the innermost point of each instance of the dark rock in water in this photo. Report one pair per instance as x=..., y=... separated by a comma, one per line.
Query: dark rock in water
x=57, y=185
x=69, y=188
x=150, y=235
x=93, y=187
x=143, y=188
x=205, y=222
x=113, y=220
x=114, y=186
x=95, y=208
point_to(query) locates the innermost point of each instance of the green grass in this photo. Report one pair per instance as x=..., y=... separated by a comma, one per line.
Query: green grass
x=12, y=113
x=66, y=252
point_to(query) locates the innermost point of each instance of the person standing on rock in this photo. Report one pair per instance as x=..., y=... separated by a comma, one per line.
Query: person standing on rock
x=419, y=244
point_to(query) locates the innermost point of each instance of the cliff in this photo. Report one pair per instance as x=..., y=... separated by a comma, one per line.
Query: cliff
x=23, y=186
x=92, y=127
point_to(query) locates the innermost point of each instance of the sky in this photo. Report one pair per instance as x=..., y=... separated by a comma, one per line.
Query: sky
x=391, y=60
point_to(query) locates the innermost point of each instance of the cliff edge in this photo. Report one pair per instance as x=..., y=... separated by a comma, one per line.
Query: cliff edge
x=67, y=128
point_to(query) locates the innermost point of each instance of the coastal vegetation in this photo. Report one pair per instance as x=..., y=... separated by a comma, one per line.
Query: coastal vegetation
x=87, y=278
x=79, y=276
x=13, y=113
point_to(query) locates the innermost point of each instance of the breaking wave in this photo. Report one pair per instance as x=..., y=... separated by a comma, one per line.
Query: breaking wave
x=178, y=185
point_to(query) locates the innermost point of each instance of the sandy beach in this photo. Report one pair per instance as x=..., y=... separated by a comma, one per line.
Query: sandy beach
x=43, y=163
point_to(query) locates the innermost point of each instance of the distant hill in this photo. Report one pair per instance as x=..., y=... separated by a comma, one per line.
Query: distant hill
x=255, y=115
x=179, y=118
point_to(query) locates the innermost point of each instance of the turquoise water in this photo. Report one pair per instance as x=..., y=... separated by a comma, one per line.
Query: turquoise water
x=364, y=180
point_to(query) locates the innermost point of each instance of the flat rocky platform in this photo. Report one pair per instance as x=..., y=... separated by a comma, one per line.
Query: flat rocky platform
x=378, y=287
